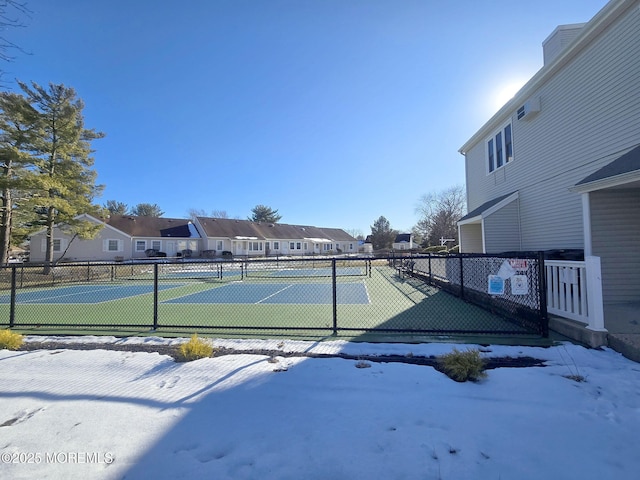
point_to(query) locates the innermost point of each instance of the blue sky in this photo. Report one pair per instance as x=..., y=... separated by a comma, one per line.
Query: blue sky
x=333, y=112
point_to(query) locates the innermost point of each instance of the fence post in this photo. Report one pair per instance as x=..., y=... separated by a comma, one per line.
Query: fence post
x=430, y=277
x=542, y=296
x=155, y=296
x=594, y=294
x=461, y=277
x=335, y=296
x=12, y=308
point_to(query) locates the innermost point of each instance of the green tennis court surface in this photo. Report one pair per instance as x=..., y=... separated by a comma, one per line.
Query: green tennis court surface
x=195, y=297
x=279, y=293
x=238, y=293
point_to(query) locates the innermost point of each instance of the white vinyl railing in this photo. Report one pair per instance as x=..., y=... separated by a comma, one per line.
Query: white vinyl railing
x=574, y=290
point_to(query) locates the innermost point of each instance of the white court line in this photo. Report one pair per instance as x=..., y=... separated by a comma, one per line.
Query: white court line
x=366, y=291
x=274, y=294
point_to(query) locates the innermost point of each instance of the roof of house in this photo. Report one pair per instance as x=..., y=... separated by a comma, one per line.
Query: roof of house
x=152, y=226
x=485, y=206
x=629, y=162
x=403, y=237
x=248, y=230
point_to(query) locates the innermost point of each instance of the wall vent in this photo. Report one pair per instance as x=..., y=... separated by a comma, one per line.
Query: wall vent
x=530, y=108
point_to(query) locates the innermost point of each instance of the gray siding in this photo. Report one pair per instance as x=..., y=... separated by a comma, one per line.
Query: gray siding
x=471, y=238
x=590, y=111
x=615, y=226
x=502, y=229
x=82, y=250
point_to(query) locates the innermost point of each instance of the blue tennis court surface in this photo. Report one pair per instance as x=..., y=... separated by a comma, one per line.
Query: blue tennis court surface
x=82, y=294
x=279, y=293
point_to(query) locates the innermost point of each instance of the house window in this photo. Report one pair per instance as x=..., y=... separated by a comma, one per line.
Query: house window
x=255, y=246
x=141, y=245
x=59, y=244
x=156, y=245
x=500, y=148
x=276, y=245
x=220, y=245
x=292, y=245
x=111, y=245
x=298, y=246
x=306, y=246
x=508, y=144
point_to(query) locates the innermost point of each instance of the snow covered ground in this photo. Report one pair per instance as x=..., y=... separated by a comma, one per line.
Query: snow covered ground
x=111, y=415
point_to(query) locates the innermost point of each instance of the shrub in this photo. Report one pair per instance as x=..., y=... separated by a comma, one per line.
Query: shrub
x=463, y=366
x=195, y=349
x=10, y=340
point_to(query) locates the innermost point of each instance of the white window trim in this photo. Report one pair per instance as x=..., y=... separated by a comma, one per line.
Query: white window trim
x=63, y=244
x=506, y=160
x=144, y=244
x=105, y=245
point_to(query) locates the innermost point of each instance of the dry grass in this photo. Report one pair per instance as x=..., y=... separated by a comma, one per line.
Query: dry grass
x=463, y=366
x=10, y=340
x=195, y=349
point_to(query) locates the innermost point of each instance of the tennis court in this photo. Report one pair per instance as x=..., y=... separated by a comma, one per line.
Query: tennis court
x=279, y=293
x=88, y=294
x=250, y=296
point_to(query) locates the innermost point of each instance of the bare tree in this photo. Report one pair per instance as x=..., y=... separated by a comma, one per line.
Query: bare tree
x=12, y=15
x=439, y=214
x=192, y=213
x=355, y=233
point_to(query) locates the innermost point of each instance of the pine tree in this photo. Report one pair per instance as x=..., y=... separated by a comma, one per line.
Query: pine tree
x=146, y=210
x=382, y=235
x=61, y=182
x=262, y=213
x=17, y=123
x=116, y=208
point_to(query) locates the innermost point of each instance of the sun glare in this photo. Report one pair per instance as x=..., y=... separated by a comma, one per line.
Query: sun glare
x=505, y=92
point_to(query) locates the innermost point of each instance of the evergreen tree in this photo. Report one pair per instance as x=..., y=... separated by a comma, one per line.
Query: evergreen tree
x=17, y=122
x=262, y=213
x=146, y=210
x=62, y=183
x=382, y=235
x=116, y=208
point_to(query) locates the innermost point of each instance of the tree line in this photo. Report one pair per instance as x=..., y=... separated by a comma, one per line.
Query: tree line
x=438, y=212
x=47, y=180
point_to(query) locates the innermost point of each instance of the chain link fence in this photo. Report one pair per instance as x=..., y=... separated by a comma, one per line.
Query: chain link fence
x=416, y=295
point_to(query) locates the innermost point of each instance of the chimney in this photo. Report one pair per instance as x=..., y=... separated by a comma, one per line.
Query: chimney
x=559, y=39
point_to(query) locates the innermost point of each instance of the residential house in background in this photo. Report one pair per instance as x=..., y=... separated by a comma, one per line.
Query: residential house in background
x=244, y=237
x=403, y=241
x=127, y=237
x=123, y=237
x=558, y=168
